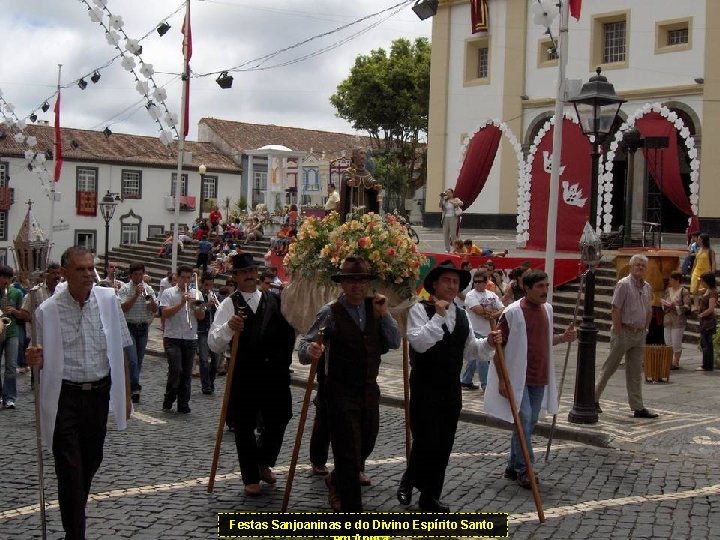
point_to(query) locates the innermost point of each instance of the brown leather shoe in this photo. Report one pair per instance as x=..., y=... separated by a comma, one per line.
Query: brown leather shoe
x=253, y=490
x=267, y=475
x=320, y=469
x=363, y=479
x=333, y=497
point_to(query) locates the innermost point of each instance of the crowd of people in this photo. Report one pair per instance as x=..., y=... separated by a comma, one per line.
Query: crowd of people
x=470, y=314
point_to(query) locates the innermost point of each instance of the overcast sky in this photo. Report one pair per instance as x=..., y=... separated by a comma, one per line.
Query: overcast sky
x=40, y=34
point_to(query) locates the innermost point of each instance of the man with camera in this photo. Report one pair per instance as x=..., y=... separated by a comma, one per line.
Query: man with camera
x=450, y=210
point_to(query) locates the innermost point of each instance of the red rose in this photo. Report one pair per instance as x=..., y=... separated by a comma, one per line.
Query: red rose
x=363, y=241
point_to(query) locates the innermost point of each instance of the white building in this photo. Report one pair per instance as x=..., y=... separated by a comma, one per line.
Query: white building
x=654, y=52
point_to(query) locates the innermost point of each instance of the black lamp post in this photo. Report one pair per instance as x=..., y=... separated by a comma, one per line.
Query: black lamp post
x=597, y=107
x=107, y=208
x=202, y=169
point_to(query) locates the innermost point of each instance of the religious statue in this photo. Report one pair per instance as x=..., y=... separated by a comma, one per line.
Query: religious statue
x=359, y=191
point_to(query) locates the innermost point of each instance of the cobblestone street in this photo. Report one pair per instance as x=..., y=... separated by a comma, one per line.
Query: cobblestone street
x=152, y=483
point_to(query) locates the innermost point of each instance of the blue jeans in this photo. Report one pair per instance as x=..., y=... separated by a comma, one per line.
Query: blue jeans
x=208, y=363
x=471, y=365
x=9, y=349
x=529, y=412
x=136, y=353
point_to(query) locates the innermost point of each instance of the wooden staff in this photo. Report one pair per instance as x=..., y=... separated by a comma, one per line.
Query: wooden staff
x=226, y=400
x=505, y=379
x=406, y=396
x=562, y=378
x=38, y=434
x=301, y=422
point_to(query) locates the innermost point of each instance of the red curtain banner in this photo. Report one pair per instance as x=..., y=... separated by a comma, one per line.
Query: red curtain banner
x=479, y=15
x=573, y=204
x=665, y=170
x=479, y=159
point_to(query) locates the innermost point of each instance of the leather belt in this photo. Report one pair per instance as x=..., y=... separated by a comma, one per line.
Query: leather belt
x=101, y=384
x=633, y=329
x=129, y=323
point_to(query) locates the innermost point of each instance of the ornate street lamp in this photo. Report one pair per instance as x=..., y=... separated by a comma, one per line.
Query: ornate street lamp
x=202, y=169
x=597, y=108
x=107, y=208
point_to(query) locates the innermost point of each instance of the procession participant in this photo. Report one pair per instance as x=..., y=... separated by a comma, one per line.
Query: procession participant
x=439, y=335
x=180, y=315
x=482, y=306
x=208, y=358
x=111, y=277
x=10, y=302
x=631, y=315
x=81, y=333
x=261, y=381
x=139, y=306
x=527, y=334
x=358, y=330
x=36, y=296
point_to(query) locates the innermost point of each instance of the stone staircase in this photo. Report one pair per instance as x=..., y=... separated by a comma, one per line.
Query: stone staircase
x=147, y=251
x=565, y=297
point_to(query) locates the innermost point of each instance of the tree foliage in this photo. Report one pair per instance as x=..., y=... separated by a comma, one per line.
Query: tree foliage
x=387, y=95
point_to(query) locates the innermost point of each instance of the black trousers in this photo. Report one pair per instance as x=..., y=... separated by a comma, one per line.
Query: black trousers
x=180, y=354
x=320, y=437
x=274, y=405
x=434, y=415
x=354, y=419
x=80, y=428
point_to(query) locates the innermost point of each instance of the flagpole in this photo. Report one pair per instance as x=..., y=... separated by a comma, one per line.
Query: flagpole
x=551, y=235
x=55, y=179
x=181, y=142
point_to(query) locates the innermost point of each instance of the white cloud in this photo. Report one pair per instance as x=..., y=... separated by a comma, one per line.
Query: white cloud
x=40, y=34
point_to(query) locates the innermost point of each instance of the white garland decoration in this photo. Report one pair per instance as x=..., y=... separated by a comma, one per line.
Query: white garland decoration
x=606, y=178
x=522, y=173
x=114, y=33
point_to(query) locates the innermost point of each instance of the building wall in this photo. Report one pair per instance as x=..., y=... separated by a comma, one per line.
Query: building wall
x=515, y=72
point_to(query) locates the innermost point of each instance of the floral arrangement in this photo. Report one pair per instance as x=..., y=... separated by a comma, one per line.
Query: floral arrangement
x=323, y=244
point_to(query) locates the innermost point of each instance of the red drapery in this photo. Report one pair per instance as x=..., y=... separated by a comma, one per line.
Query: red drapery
x=666, y=171
x=478, y=162
x=573, y=204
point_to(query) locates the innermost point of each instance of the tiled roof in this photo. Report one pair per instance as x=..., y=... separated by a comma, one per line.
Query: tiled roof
x=245, y=137
x=138, y=150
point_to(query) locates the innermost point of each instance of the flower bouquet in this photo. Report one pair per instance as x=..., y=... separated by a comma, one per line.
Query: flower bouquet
x=323, y=244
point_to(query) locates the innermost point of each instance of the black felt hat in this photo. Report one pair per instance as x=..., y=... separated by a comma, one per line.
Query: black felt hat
x=241, y=261
x=354, y=267
x=446, y=266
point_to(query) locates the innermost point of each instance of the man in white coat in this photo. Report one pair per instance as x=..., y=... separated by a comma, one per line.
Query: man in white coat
x=527, y=330
x=81, y=333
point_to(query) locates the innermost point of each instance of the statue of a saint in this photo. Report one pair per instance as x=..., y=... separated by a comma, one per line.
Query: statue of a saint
x=358, y=187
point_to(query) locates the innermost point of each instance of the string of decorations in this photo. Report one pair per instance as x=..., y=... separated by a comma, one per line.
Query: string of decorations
x=114, y=33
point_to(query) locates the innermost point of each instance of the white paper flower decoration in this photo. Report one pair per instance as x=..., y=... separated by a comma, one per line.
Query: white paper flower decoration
x=116, y=21
x=32, y=141
x=112, y=37
x=142, y=87
x=95, y=14
x=128, y=62
x=132, y=46
x=147, y=70
x=165, y=138
x=160, y=94
x=19, y=138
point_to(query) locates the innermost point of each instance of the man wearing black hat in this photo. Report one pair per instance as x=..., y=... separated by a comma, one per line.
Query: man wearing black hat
x=358, y=330
x=440, y=336
x=261, y=380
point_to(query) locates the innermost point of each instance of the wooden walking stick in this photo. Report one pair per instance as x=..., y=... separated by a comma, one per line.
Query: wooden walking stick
x=562, y=378
x=38, y=434
x=301, y=423
x=406, y=396
x=505, y=379
x=239, y=310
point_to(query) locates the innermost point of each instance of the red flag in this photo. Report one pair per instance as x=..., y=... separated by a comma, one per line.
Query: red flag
x=479, y=15
x=58, y=141
x=575, y=6
x=187, y=51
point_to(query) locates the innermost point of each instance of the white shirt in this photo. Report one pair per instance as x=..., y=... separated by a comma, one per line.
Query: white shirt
x=138, y=312
x=489, y=300
x=423, y=333
x=177, y=326
x=252, y=299
x=449, y=209
x=164, y=284
x=332, y=201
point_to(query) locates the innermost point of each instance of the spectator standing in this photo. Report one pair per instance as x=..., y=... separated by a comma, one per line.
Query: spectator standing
x=708, y=320
x=215, y=219
x=333, y=200
x=676, y=304
x=450, y=209
x=204, y=250
x=482, y=306
x=631, y=314
x=704, y=262
x=10, y=302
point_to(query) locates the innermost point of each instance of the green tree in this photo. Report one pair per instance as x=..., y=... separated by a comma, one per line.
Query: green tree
x=387, y=95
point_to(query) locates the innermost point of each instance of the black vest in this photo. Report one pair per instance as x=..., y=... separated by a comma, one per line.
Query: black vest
x=354, y=354
x=440, y=366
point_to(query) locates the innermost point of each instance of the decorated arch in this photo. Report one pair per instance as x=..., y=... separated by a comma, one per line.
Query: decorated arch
x=574, y=194
x=653, y=120
x=477, y=155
